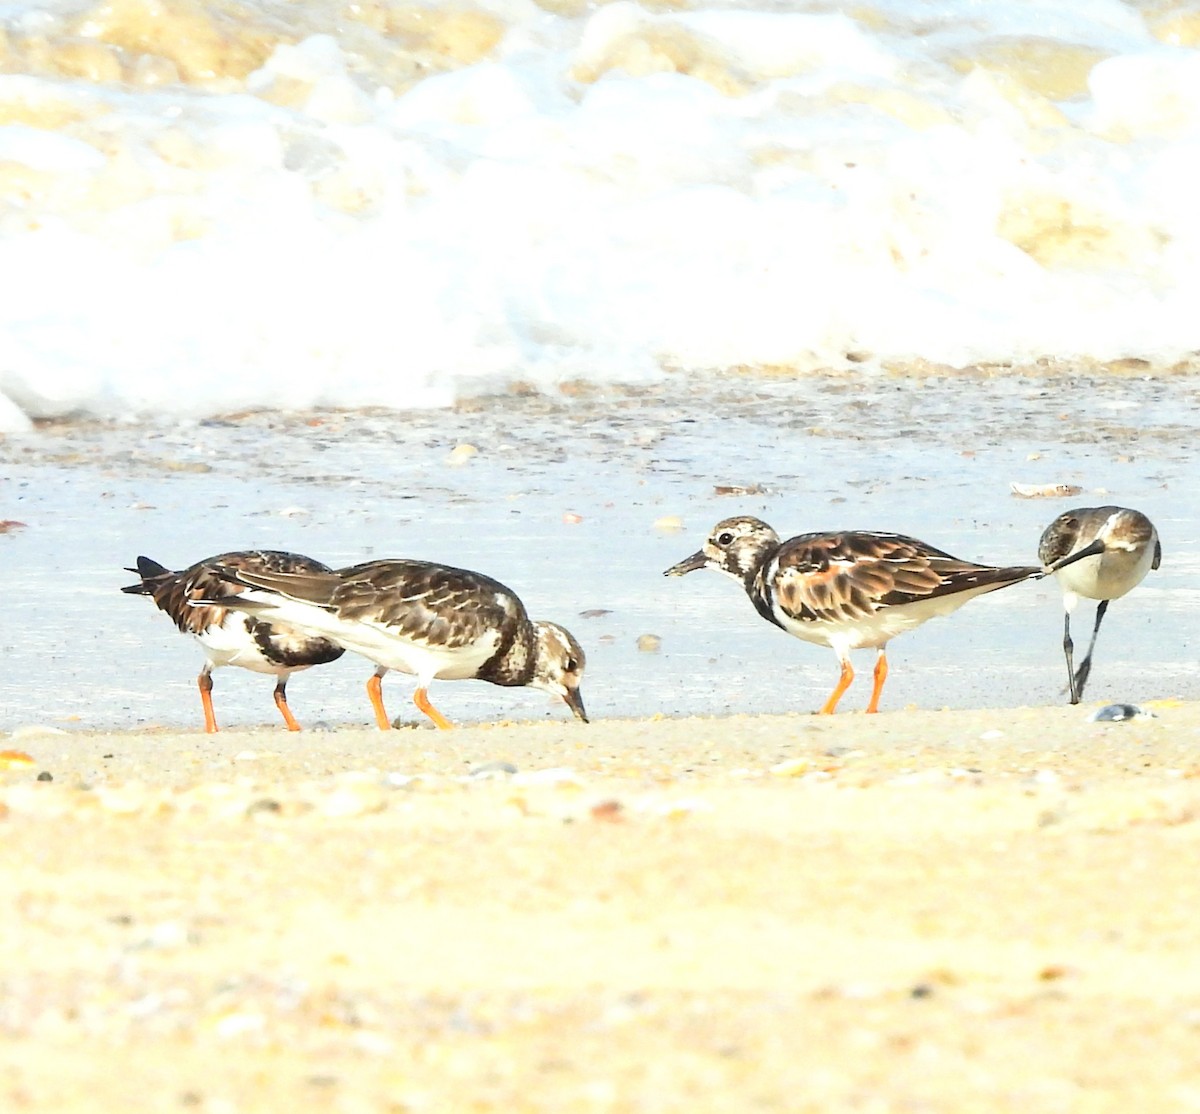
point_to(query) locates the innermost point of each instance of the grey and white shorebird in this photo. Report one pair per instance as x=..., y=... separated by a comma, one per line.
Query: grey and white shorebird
x=428, y=620
x=1096, y=553
x=848, y=589
x=232, y=637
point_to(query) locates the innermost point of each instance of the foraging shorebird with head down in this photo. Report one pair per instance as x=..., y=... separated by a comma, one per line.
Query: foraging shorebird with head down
x=846, y=590
x=428, y=620
x=229, y=636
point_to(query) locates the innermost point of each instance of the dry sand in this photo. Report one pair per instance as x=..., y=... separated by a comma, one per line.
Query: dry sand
x=916, y=911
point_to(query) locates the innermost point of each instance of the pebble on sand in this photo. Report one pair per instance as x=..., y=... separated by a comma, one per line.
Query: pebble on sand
x=792, y=767
x=492, y=770
x=460, y=454
x=1119, y=713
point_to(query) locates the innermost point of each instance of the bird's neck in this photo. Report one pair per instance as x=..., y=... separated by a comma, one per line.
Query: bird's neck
x=759, y=588
x=515, y=658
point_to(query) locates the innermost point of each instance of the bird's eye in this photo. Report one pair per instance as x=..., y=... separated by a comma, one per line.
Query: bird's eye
x=725, y=538
x=572, y=665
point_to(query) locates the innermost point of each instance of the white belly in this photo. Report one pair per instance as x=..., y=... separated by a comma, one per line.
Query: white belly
x=881, y=627
x=384, y=646
x=1106, y=576
x=231, y=644
x=424, y=661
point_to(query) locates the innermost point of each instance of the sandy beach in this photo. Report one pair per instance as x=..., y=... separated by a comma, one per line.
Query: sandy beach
x=916, y=911
x=546, y=291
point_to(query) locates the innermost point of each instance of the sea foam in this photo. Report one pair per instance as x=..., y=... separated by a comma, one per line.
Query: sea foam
x=212, y=207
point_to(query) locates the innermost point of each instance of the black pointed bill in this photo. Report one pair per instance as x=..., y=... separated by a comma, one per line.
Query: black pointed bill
x=697, y=560
x=575, y=703
x=1093, y=550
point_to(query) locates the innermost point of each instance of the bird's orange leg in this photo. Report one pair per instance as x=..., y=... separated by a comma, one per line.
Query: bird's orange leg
x=282, y=704
x=205, y=683
x=881, y=672
x=375, y=692
x=842, y=685
x=421, y=700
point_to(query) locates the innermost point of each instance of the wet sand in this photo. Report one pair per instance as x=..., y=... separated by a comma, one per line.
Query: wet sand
x=578, y=503
x=949, y=911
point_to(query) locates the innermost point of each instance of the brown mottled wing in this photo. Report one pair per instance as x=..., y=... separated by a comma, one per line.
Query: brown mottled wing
x=172, y=591
x=434, y=603
x=848, y=576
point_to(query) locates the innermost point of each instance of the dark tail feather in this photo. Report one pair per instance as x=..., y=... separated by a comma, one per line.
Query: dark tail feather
x=313, y=588
x=991, y=578
x=151, y=573
x=223, y=575
x=1015, y=574
x=235, y=601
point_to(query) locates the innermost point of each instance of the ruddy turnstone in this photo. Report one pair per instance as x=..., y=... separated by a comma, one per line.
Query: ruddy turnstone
x=428, y=620
x=1097, y=553
x=231, y=637
x=845, y=590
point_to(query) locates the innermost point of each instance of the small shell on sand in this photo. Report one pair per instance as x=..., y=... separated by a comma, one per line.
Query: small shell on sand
x=497, y=769
x=27, y=730
x=739, y=489
x=1044, y=491
x=649, y=643
x=460, y=454
x=1119, y=713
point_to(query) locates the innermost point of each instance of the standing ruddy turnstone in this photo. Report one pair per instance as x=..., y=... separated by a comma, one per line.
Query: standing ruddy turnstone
x=431, y=621
x=1097, y=553
x=232, y=637
x=845, y=590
